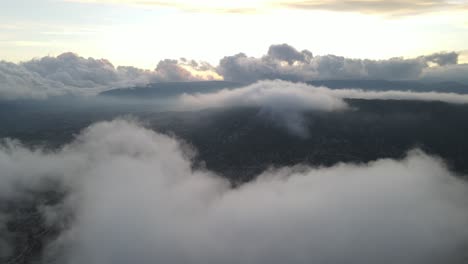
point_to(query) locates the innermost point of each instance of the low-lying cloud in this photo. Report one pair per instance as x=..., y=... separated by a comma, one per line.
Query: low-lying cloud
x=282, y=102
x=136, y=199
x=285, y=102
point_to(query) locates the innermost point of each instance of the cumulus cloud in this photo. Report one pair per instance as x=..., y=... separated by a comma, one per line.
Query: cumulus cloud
x=136, y=199
x=72, y=70
x=286, y=63
x=288, y=53
x=18, y=82
x=285, y=102
x=70, y=73
x=442, y=59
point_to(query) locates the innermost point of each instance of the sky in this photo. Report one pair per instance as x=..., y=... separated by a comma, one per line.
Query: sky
x=141, y=33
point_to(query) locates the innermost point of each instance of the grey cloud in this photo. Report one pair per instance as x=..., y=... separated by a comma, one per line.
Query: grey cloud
x=285, y=62
x=449, y=73
x=170, y=70
x=70, y=73
x=199, y=66
x=288, y=53
x=72, y=70
x=244, y=69
x=443, y=59
x=18, y=82
x=395, y=68
x=136, y=199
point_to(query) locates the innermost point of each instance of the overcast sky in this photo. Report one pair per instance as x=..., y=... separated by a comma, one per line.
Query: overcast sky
x=140, y=33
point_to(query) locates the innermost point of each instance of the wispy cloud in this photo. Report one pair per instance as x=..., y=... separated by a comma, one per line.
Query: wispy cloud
x=379, y=7
x=382, y=7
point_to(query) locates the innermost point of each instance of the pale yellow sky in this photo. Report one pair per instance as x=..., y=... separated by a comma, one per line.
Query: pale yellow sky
x=144, y=32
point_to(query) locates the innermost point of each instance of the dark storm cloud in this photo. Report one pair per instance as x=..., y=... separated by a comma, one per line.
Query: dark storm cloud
x=286, y=63
x=136, y=199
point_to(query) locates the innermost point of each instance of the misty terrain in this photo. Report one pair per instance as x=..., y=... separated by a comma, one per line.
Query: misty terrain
x=241, y=142
x=237, y=157
x=233, y=132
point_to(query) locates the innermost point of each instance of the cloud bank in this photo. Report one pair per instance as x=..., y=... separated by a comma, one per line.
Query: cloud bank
x=135, y=199
x=286, y=63
x=449, y=73
x=69, y=73
x=17, y=82
x=285, y=102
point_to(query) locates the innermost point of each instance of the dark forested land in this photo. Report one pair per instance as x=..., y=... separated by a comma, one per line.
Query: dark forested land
x=241, y=142
x=236, y=143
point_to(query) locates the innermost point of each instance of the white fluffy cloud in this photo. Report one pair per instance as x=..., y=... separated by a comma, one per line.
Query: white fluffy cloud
x=281, y=101
x=135, y=199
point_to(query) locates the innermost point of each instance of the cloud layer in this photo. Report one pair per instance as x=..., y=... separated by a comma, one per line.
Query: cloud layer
x=69, y=73
x=285, y=102
x=135, y=199
x=286, y=63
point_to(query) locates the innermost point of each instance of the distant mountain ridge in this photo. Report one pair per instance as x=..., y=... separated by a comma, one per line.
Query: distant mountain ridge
x=170, y=89
x=383, y=85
